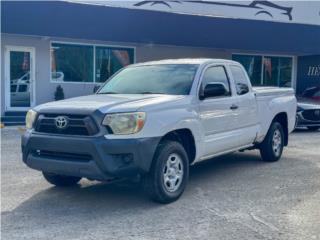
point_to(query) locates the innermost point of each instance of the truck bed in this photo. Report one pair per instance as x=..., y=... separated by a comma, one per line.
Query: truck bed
x=272, y=91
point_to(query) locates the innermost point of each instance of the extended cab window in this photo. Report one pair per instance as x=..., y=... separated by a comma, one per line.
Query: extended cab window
x=240, y=80
x=216, y=74
x=23, y=88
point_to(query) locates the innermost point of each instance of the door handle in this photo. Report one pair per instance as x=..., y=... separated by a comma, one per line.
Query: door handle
x=234, y=107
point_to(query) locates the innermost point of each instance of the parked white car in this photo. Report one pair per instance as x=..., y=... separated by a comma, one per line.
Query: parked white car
x=57, y=76
x=155, y=119
x=20, y=91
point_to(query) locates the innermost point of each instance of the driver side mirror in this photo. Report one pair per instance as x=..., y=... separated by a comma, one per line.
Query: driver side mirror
x=214, y=89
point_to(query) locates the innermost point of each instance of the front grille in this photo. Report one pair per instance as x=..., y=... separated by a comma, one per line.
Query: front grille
x=311, y=115
x=62, y=156
x=76, y=124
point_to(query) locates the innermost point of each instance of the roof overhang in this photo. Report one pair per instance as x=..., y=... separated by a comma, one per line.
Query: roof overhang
x=84, y=21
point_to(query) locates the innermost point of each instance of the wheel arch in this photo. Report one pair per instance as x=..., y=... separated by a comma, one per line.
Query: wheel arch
x=186, y=138
x=282, y=118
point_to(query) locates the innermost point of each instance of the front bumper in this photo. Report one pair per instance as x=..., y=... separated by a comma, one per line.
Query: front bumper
x=91, y=157
x=302, y=122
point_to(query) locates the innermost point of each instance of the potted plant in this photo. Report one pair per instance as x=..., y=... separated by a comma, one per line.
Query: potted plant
x=59, y=94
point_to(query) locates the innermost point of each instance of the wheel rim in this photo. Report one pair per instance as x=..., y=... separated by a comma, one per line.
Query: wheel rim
x=277, y=142
x=173, y=173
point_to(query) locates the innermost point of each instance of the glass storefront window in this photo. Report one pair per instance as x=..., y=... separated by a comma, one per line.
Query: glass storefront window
x=267, y=70
x=20, y=78
x=110, y=60
x=277, y=71
x=252, y=64
x=76, y=63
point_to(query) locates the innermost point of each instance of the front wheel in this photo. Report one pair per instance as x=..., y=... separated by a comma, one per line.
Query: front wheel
x=272, y=146
x=61, y=180
x=169, y=173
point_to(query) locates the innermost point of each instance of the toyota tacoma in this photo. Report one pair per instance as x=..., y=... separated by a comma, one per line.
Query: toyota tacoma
x=151, y=121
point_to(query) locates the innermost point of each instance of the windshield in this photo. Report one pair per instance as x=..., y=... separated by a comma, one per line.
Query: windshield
x=172, y=79
x=311, y=92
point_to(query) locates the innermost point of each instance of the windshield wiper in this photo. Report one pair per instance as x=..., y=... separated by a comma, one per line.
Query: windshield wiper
x=108, y=93
x=151, y=93
x=135, y=93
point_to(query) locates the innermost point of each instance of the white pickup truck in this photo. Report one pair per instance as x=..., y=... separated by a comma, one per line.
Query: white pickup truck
x=152, y=120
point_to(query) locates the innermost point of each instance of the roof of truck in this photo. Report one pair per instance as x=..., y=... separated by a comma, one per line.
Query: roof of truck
x=188, y=61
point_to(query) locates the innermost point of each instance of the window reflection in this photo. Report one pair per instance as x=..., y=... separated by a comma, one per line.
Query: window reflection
x=252, y=64
x=267, y=70
x=110, y=60
x=19, y=79
x=277, y=71
x=73, y=62
x=77, y=63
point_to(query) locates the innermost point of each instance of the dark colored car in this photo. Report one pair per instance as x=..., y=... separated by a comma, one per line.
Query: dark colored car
x=313, y=93
x=308, y=113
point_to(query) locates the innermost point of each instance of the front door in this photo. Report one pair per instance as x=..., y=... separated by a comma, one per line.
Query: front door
x=19, y=78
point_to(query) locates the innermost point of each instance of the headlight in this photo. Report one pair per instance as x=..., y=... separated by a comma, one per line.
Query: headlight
x=30, y=118
x=125, y=123
x=299, y=109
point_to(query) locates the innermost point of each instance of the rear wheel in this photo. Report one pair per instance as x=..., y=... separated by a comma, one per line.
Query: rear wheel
x=61, y=180
x=313, y=128
x=272, y=146
x=169, y=173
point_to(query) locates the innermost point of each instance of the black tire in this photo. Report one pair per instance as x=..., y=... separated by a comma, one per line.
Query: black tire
x=154, y=181
x=267, y=149
x=313, y=128
x=61, y=180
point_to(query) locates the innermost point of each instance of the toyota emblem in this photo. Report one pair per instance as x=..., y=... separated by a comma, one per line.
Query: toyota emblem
x=61, y=122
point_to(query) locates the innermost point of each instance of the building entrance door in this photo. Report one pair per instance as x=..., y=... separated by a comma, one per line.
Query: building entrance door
x=19, y=78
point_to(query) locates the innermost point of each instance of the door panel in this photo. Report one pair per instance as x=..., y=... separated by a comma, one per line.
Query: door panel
x=247, y=118
x=218, y=122
x=216, y=115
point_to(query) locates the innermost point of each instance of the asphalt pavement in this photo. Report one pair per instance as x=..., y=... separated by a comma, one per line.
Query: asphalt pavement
x=231, y=197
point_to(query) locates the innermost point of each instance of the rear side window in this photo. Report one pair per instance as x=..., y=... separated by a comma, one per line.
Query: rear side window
x=216, y=74
x=240, y=80
x=13, y=88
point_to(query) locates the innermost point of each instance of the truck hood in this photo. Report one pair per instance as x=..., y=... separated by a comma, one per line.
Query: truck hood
x=105, y=103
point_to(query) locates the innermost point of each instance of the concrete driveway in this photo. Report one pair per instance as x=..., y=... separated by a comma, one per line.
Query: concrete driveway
x=232, y=197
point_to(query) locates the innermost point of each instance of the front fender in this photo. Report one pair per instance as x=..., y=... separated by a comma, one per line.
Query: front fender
x=159, y=122
x=173, y=119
